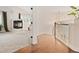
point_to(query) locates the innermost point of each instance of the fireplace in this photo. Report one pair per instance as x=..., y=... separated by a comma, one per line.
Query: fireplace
x=18, y=24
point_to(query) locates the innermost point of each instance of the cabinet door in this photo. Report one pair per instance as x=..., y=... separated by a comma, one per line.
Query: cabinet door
x=66, y=32
x=62, y=33
x=59, y=32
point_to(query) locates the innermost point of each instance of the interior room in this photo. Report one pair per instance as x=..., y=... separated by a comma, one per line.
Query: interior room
x=39, y=29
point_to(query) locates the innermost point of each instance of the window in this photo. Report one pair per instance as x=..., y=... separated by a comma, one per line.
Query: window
x=1, y=21
x=4, y=14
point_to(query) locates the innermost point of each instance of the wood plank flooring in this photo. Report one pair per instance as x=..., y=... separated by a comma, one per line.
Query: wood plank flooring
x=46, y=44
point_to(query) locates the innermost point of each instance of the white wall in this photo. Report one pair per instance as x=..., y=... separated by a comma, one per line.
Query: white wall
x=48, y=15
x=13, y=12
x=36, y=24
x=16, y=38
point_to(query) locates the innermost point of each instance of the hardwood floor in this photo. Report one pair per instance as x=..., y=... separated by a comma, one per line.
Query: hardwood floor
x=46, y=44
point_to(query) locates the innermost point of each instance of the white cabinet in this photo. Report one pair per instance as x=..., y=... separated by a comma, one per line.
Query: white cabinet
x=62, y=32
x=69, y=34
x=74, y=36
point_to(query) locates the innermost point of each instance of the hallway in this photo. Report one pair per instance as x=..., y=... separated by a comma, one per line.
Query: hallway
x=46, y=44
